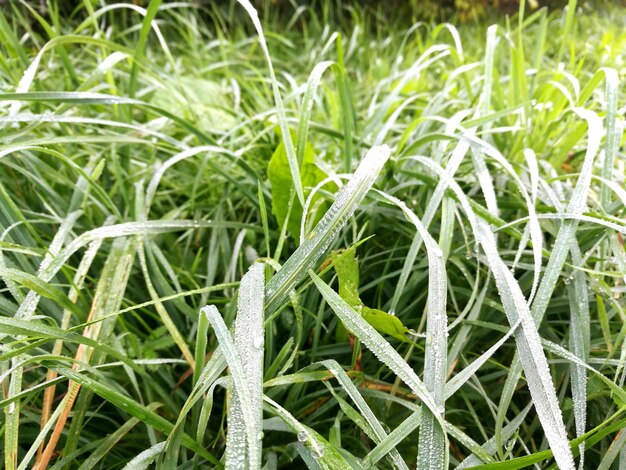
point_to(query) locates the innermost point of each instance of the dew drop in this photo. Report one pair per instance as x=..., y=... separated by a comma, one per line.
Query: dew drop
x=318, y=452
x=260, y=435
x=258, y=342
x=302, y=436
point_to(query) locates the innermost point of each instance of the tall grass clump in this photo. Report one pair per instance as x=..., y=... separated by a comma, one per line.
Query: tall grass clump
x=325, y=238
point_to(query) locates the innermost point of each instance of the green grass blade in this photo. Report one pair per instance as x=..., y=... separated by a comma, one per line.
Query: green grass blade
x=379, y=432
x=528, y=341
x=239, y=386
x=324, y=454
x=377, y=344
x=282, y=118
x=249, y=343
x=432, y=446
x=318, y=241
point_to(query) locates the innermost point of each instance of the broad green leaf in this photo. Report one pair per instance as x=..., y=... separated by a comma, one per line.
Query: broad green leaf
x=317, y=242
x=279, y=175
x=385, y=323
x=203, y=101
x=347, y=268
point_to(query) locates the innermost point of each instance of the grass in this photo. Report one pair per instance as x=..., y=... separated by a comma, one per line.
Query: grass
x=165, y=304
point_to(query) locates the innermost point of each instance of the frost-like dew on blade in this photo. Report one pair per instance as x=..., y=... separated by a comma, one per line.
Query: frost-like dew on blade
x=248, y=435
x=433, y=452
x=576, y=206
x=528, y=341
x=145, y=458
x=533, y=169
x=249, y=335
x=317, y=242
x=579, y=345
x=431, y=210
x=379, y=432
x=324, y=454
x=390, y=357
x=26, y=311
x=29, y=304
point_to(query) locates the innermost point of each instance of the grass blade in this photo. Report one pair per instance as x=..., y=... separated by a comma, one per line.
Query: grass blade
x=249, y=343
x=282, y=118
x=250, y=433
x=377, y=344
x=432, y=448
x=528, y=341
x=318, y=241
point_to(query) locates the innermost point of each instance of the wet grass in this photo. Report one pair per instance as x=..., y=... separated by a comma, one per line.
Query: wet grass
x=477, y=170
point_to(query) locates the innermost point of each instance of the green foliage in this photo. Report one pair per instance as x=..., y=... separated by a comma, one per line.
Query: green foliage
x=347, y=268
x=285, y=207
x=201, y=101
x=161, y=307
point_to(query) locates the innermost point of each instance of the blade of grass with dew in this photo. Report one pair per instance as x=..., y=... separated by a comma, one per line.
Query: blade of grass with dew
x=324, y=233
x=249, y=344
x=307, y=106
x=36, y=444
x=282, y=118
x=530, y=351
x=144, y=459
x=239, y=384
x=378, y=345
x=455, y=160
x=324, y=454
x=132, y=407
x=335, y=368
x=25, y=312
x=421, y=89
x=401, y=432
x=566, y=233
x=316, y=243
x=79, y=279
x=115, y=273
x=432, y=447
x=579, y=342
